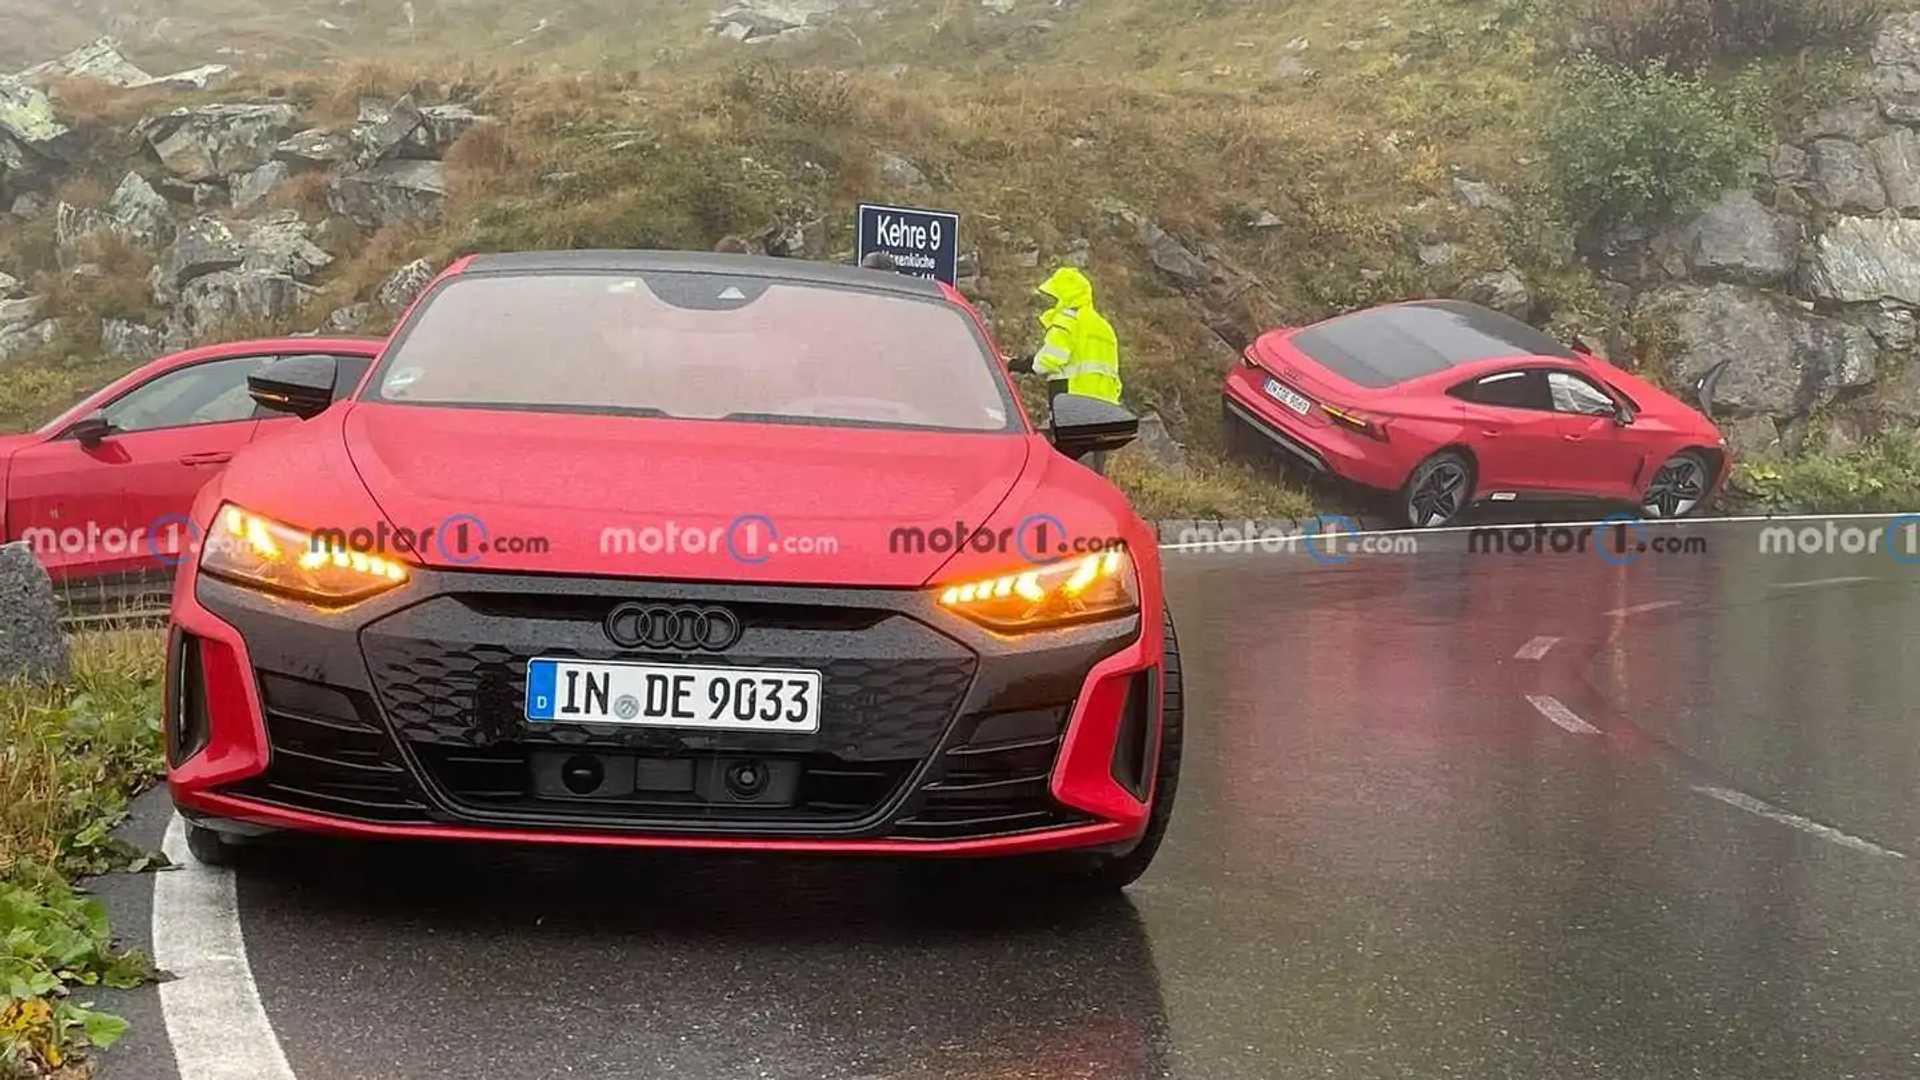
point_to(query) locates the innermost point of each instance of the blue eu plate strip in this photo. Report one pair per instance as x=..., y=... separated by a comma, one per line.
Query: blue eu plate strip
x=541, y=677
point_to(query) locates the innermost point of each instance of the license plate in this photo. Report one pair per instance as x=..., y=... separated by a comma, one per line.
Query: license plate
x=1285, y=396
x=673, y=696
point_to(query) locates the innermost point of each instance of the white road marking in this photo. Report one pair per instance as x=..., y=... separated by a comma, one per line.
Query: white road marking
x=218, y=1028
x=1642, y=609
x=1773, y=813
x=1551, y=708
x=1823, y=581
x=1537, y=648
x=1684, y=523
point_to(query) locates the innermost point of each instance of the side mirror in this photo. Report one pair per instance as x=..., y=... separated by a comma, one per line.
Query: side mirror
x=1623, y=416
x=300, y=385
x=1082, y=425
x=91, y=430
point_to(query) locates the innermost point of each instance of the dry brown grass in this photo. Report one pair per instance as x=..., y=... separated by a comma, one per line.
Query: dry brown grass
x=118, y=290
x=83, y=190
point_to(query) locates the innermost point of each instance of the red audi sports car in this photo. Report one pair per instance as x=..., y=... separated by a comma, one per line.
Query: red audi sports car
x=102, y=490
x=671, y=550
x=1445, y=404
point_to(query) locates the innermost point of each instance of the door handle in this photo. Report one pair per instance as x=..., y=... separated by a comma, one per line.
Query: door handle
x=1574, y=438
x=1491, y=433
x=217, y=457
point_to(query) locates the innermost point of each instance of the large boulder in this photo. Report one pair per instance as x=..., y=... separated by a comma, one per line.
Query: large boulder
x=1844, y=177
x=210, y=302
x=17, y=313
x=404, y=285
x=99, y=60
x=1896, y=67
x=1739, y=240
x=1897, y=156
x=32, y=645
x=142, y=215
x=391, y=192
x=1785, y=361
x=281, y=243
x=204, y=77
x=1172, y=257
x=19, y=340
x=1857, y=260
x=1501, y=290
x=205, y=246
x=440, y=127
x=212, y=142
x=1855, y=119
x=74, y=230
x=134, y=342
x=246, y=189
x=382, y=129
x=314, y=146
x=751, y=20
x=26, y=115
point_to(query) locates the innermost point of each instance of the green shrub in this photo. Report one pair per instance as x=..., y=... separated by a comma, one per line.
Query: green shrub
x=1642, y=145
x=1879, y=477
x=1688, y=34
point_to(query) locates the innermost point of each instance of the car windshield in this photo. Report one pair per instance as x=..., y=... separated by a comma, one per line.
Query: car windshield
x=1391, y=345
x=698, y=346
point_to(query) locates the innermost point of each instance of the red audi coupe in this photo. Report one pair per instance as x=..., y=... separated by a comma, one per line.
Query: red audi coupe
x=1446, y=404
x=102, y=490
x=671, y=550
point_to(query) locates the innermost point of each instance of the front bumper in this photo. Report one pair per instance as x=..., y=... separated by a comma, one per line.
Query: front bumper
x=403, y=717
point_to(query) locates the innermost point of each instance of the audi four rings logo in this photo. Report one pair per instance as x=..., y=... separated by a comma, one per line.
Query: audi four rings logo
x=659, y=626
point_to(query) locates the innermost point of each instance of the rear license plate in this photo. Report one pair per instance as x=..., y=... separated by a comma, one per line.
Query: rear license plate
x=1285, y=396
x=673, y=696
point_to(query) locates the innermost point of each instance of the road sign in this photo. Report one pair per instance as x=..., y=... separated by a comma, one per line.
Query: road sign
x=923, y=243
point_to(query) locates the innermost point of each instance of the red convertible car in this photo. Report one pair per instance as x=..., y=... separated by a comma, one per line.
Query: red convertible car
x=102, y=491
x=1445, y=404
x=766, y=665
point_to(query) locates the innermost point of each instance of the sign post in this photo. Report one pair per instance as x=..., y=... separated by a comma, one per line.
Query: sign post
x=922, y=243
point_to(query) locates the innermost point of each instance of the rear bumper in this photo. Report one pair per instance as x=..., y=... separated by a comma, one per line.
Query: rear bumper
x=282, y=717
x=1327, y=450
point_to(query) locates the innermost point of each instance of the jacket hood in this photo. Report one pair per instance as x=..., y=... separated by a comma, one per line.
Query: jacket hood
x=1069, y=288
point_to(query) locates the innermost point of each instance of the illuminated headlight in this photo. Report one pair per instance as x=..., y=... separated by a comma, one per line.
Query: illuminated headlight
x=1075, y=590
x=252, y=550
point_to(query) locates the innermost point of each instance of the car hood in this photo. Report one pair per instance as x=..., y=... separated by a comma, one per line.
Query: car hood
x=678, y=499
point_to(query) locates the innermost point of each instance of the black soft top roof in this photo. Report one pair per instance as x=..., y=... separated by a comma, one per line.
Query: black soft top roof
x=696, y=262
x=1387, y=345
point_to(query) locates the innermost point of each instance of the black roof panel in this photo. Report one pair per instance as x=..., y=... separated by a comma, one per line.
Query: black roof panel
x=699, y=262
x=1387, y=345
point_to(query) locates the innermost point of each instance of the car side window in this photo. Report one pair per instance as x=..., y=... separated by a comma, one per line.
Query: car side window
x=348, y=373
x=211, y=393
x=1507, y=389
x=1573, y=394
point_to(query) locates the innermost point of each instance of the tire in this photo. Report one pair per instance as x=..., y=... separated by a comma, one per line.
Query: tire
x=209, y=848
x=1679, y=488
x=1440, y=488
x=1109, y=873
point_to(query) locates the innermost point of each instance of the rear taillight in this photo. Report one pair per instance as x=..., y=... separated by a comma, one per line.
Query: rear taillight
x=1372, y=427
x=1247, y=360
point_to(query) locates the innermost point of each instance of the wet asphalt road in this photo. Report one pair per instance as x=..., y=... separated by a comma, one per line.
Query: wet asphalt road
x=1387, y=862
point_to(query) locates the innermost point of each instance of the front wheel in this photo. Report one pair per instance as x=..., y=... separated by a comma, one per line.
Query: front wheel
x=1439, y=489
x=1111, y=873
x=1679, y=487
